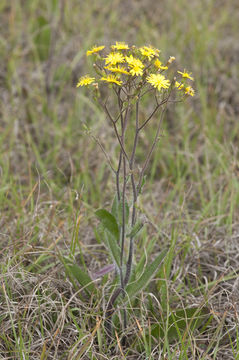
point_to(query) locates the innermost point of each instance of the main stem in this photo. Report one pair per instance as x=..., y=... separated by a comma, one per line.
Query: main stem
x=122, y=197
x=135, y=195
x=123, y=157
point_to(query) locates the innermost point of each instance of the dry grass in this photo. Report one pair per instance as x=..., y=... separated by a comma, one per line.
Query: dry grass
x=44, y=316
x=51, y=172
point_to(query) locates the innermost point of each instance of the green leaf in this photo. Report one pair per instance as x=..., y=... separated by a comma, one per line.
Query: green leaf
x=114, y=248
x=114, y=209
x=117, y=210
x=103, y=235
x=81, y=276
x=136, y=228
x=134, y=288
x=108, y=221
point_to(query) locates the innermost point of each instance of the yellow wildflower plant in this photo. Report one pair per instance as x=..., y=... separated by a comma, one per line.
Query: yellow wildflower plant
x=114, y=58
x=111, y=79
x=120, y=46
x=159, y=65
x=85, y=80
x=124, y=78
x=186, y=75
x=117, y=69
x=189, y=91
x=95, y=50
x=158, y=81
x=149, y=52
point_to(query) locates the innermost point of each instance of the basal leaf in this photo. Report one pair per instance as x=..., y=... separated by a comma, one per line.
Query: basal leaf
x=134, y=288
x=136, y=229
x=113, y=248
x=110, y=242
x=82, y=277
x=108, y=221
x=114, y=209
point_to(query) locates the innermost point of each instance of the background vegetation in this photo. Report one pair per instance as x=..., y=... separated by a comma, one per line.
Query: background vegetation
x=53, y=177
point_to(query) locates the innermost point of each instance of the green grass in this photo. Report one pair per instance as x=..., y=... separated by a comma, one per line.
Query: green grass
x=53, y=176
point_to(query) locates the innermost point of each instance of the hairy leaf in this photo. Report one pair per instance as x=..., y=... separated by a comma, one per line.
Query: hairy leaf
x=81, y=276
x=113, y=248
x=108, y=221
x=136, y=229
x=117, y=210
x=134, y=288
x=110, y=243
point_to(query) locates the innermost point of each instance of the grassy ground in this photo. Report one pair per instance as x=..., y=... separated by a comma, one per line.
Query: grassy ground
x=53, y=177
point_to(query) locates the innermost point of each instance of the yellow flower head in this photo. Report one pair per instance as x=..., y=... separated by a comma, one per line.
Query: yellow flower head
x=159, y=65
x=178, y=85
x=171, y=59
x=135, y=64
x=136, y=70
x=85, y=80
x=185, y=74
x=158, y=81
x=132, y=61
x=94, y=50
x=149, y=52
x=120, y=46
x=114, y=58
x=111, y=79
x=189, y=91
x=117, y=69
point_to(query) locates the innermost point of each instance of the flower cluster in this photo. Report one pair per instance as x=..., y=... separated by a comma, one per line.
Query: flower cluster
x=187, y=89
x=141, y=66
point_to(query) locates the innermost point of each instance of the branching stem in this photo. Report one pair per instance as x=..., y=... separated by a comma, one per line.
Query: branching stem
x=123, y=157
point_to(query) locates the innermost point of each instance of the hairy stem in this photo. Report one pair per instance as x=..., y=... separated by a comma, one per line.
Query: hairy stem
x=135, y=195
x=117, y=174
